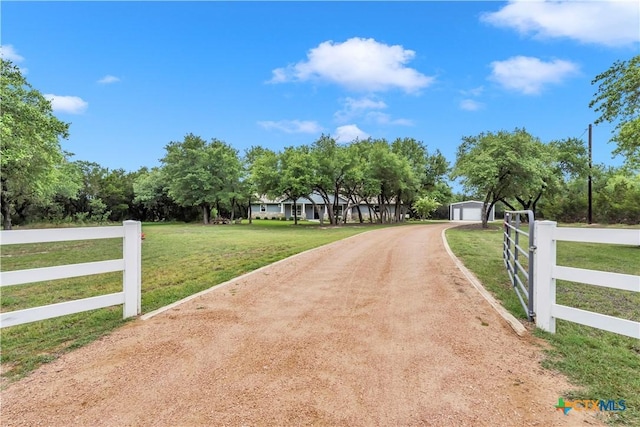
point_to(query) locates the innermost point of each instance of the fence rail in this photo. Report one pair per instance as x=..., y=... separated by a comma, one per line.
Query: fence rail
x=522, y=279
x=130, y=265
x=547, y=272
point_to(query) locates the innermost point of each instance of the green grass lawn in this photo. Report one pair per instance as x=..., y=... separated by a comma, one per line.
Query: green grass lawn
x=178, y=260
x=604, y=365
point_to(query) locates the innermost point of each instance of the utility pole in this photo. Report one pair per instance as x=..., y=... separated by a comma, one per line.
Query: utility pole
x=590, y=214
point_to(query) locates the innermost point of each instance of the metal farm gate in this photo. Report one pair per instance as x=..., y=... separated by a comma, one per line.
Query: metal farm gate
x=519, y=259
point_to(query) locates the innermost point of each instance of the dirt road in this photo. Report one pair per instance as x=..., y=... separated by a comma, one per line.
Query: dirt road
x=377, y=330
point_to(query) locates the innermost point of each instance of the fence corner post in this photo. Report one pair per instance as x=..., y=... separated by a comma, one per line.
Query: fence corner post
x=544, y=287
x=132, y=275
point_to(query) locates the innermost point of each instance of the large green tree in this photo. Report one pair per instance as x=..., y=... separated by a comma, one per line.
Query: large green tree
x=415, y=154
x=33, y=164
x=286, y=174
x=295, y=167
x=260, y=165
x=616, y=197
x=499, y=166
x=394, y=176
x=618, y=100
x=331, y=163
x=558, y=162
x=201, y=174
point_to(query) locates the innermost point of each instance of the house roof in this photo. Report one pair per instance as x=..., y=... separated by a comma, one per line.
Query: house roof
x=263, y=199
x=317, y=198
x=466, y=201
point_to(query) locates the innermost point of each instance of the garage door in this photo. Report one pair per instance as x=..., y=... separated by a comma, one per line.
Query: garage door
x=472, y=214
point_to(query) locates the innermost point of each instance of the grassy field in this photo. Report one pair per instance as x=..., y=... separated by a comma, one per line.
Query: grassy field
x=178, y=260
x=604, y=365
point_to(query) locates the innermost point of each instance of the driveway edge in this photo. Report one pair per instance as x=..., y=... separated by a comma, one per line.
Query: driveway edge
x=515, y=324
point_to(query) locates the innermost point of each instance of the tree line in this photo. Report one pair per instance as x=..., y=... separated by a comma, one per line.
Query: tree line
x=198, y=179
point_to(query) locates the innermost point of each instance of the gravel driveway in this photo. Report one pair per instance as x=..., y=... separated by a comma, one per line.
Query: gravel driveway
x=380, y=329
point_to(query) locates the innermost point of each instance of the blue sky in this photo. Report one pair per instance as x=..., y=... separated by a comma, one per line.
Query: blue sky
x=132, y=76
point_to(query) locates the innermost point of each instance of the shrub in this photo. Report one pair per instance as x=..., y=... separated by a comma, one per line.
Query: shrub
x=257, y=217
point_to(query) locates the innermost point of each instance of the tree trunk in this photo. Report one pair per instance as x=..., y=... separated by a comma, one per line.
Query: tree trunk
x=356, y=204
x=397, y=211
x=486, y=208
x=485, y=219
x=250, y=214
x=6, y=207
x=328, y=204
x=534, y=204
x=316, y=209
x=345, y=210
x=233, y=209
x=371, y=211
x=336, y=203
x=507, y=204
x=6, y=214
x=205, y=214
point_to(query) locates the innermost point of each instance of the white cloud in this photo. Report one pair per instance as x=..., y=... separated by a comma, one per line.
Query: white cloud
x=476, y=91
x=609, y=23
x=8, y=52
x=348, y=133
x=470, y=105
x=108, y=79
x=385, y=119
x=292, y=126
x=361, y=108
x=357, y=107
x=364, y=104
x=529, y=75
x=67, y=104
x=358, y=64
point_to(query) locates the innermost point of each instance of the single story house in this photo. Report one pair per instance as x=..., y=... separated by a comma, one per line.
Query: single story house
x=266, y=208
x=470, y=210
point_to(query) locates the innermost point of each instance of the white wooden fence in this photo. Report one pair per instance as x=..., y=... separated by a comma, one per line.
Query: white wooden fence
x=130, y=265
x=547, y=272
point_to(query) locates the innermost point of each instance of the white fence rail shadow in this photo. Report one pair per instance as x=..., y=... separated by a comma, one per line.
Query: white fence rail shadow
x=547, y=272
x=130, y=265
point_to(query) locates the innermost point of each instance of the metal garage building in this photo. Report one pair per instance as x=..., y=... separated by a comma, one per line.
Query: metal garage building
x=470, y=210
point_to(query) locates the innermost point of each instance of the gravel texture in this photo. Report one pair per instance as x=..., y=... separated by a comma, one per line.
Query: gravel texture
x=380, y=329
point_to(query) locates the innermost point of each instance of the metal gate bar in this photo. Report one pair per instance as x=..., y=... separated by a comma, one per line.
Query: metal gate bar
x=521, y=278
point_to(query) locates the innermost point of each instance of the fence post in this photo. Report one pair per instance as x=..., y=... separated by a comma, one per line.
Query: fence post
x=131, y=253
x=532, y=265
x=545, y=285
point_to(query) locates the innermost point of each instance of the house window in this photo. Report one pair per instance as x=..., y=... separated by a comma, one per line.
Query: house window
x=298, y=210
x=263, y=208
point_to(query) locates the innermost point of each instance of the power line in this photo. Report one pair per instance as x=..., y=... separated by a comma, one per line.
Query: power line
x=585, y=131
